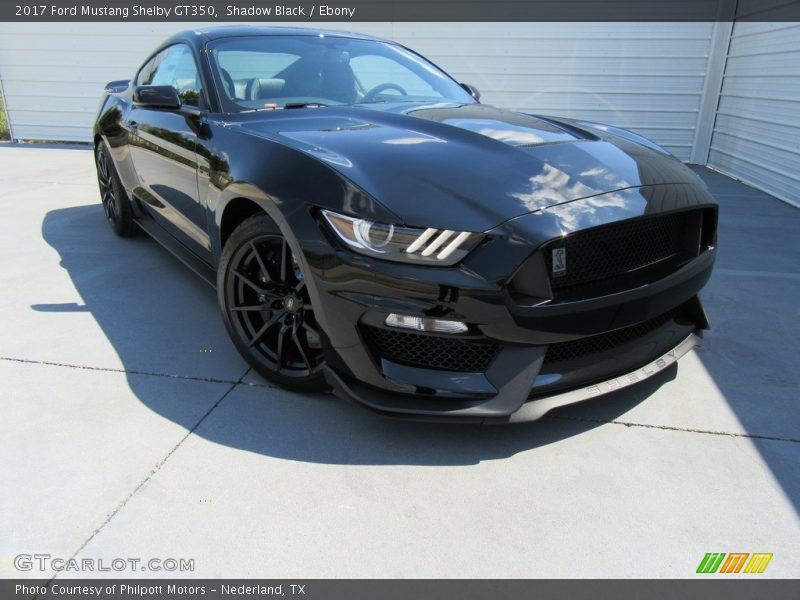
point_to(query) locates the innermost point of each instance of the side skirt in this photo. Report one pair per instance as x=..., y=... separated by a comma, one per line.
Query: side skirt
x=186, y=256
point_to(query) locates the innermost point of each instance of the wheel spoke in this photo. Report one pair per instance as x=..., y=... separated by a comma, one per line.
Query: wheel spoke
x=102, y=167
x=265, y=327
x=109, y=207
x=299, y=287
x=281, y=346
x=261, y=265
x=249, y=282
x=254, y=308
x=284, y=260
x=299, y=345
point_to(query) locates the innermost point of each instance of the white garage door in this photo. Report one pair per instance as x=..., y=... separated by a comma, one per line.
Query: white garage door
x=644, y=76
x=757, y=130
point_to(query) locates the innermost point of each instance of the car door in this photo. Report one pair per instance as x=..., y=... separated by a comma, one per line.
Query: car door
x=164, y=150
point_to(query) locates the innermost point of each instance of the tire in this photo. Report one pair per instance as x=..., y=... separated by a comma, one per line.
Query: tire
x=266, y=307
x=116, y=204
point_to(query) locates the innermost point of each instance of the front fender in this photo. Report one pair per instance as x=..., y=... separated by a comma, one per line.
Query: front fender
x=287, y=185
x=279, y=179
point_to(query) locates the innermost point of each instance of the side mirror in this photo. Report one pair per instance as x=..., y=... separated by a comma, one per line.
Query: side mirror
x=472, y=90
x=157, y=96
x=118, y=86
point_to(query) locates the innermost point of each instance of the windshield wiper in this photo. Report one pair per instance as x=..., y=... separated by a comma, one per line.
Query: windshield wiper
x=304, y=105
x=287, y=105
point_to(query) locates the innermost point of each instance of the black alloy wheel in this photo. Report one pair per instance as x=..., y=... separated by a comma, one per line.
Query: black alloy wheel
x=266, y=306
x=116, y=205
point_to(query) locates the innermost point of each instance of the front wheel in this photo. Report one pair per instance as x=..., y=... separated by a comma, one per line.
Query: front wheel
x=266, y=307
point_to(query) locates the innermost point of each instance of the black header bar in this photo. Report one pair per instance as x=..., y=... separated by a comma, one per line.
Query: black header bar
x=393, y=589
x=300, y=11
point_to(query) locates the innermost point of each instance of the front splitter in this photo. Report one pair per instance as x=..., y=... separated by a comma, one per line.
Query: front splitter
x=536, y=409
x=392, y=405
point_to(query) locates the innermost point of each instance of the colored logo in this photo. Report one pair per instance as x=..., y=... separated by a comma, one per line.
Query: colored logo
x=735, y=562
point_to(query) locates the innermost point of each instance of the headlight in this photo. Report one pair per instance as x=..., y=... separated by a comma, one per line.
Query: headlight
x=404, y=244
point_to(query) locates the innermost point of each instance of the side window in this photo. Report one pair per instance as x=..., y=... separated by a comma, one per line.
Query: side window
x=175, y=66
x=144, y=72
x=249, y=65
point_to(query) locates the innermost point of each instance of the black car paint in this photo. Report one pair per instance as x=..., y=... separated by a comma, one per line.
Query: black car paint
x=521, y=179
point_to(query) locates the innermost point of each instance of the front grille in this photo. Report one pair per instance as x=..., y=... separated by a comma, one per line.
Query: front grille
x=430, y=351
x=627, y=250
x=564, y=351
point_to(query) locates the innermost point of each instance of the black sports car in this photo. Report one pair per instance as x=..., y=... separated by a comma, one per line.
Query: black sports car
x=370, y=226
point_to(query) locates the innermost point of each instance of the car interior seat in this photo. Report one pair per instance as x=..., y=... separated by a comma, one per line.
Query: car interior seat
x=228, y=84
x=327, y=77
x=337, y=79
x=264, y=88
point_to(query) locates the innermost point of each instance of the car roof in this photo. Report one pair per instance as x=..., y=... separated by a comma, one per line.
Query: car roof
x=206, y=34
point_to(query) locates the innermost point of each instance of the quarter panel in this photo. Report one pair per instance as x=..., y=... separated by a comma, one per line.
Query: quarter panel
x=110, y=126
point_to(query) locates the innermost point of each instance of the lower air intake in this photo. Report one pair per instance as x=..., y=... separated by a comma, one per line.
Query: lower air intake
x=430, y=351
x=565, y=351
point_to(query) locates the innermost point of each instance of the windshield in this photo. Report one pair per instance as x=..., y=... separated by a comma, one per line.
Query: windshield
x=263, y=72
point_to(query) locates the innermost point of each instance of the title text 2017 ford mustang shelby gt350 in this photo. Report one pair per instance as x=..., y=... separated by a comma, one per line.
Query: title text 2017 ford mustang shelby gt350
x=370, y=226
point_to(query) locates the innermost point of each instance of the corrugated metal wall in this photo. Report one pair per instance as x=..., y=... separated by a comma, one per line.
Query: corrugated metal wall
x=757, y=129
x=649, y=77
x=644, y=76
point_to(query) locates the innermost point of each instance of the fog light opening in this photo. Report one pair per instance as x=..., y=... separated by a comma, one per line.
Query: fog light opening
x=427, y=324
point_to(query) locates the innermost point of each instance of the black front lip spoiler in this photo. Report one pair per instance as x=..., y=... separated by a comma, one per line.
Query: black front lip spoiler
x=536, y=409
x=512, y=395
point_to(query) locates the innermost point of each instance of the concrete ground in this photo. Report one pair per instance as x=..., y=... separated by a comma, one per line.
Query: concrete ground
x=131, y=428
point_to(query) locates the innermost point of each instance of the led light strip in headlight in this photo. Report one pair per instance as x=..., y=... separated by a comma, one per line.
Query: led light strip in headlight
x=438, y=242
x=403, y=244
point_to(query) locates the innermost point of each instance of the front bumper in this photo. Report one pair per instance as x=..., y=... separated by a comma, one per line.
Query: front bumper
x=630, y=334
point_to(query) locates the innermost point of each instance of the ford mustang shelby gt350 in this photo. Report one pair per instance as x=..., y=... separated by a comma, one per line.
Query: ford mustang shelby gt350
x=370, y=226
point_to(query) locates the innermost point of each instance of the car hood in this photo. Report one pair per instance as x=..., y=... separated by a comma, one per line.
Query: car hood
x=468, y=167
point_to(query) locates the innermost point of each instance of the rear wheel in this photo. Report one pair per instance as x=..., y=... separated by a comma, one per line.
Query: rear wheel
x=116, y=204
x=266, y=307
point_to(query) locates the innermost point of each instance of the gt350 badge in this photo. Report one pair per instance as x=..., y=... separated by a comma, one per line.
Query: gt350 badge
x=559, y=261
